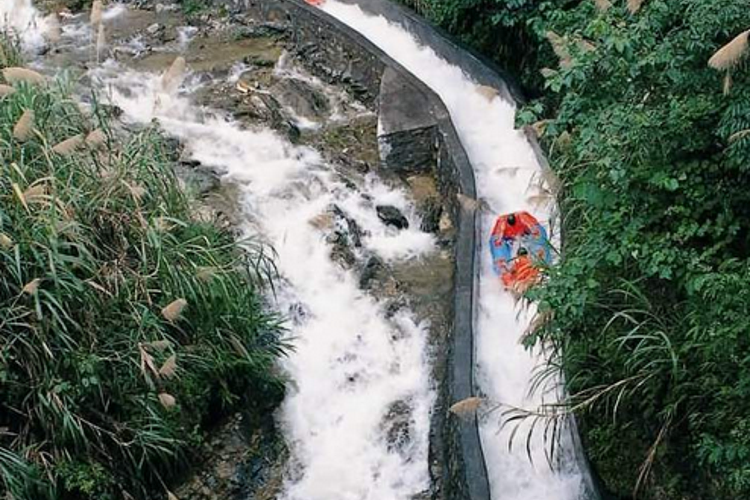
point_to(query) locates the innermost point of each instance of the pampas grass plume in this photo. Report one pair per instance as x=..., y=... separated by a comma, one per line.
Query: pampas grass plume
x=488, y=92
x=6, y=90
x=95, y=139
x=5, y=241
x=96, y=14
x=603, y=5
x=24, y=127
x=730, y=54
x=172, y=79
x=169, y=368
x=634, y=5
x=22, y=75
x=68, y=146
x=173, y=311
x=167, y=400
x=466, y=407
x=31, y=287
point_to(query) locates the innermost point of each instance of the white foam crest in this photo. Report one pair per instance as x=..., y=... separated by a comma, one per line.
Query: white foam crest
x=351, y=363
x=21, y=19
x=505, y=368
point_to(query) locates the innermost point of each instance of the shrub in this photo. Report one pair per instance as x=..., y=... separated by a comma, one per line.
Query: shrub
x=127, y=323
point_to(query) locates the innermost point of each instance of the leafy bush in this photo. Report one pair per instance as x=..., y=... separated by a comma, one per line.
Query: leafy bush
x=127, y=322
x=650, y=302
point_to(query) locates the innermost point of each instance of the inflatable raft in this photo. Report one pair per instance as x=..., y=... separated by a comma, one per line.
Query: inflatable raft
x=519, y=247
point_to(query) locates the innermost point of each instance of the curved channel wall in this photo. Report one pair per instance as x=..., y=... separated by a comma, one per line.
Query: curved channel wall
x=415, y=134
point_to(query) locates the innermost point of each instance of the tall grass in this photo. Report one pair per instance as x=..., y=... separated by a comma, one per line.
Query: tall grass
x=97, y=240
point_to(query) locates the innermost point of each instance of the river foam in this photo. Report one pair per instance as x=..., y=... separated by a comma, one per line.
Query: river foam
x=352, y=363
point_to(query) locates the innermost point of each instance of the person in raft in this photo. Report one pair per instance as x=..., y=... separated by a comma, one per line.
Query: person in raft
x=521, y=231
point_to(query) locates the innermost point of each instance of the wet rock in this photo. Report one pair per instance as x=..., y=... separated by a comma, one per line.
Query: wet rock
x=353, y=231
x=199, y=179
x=374, y=269
x=392, y=216
x=398, y=424
x=302, y=98
x=340, y=251
x=265, y=108
x=260, y=60
x=430, y=211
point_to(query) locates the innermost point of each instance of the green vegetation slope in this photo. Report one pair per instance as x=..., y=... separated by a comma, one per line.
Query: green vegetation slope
x=649, y=307
x=127, y=323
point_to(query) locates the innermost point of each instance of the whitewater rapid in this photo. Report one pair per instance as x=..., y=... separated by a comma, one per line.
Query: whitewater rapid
x=508, y=178
x=351, y=362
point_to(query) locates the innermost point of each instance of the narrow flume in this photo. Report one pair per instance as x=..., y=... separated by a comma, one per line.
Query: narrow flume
x=508, y=178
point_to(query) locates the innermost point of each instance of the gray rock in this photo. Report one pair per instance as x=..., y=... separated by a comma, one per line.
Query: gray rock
x=349, y=225
x=373, y=270
x=430, y=212
x=302, y=98
x=392, y=216
x=398, y=424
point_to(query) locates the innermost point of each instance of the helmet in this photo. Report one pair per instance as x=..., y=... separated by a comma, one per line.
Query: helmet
x=522, y=251
x=511, y=220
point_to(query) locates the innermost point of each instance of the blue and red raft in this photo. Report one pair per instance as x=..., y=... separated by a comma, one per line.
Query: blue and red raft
x=519, y=245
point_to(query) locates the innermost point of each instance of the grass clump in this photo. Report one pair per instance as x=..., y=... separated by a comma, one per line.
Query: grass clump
x=127, y=324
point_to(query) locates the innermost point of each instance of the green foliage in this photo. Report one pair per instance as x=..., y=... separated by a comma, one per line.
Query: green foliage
x=94, y=244
x=650, y=301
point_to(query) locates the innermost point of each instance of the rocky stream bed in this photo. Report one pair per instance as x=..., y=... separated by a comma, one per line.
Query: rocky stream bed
x=249, y=70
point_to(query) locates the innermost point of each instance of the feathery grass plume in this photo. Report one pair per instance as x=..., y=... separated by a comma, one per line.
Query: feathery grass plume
x=68, y=146
x=730, y=54
x=5, y=241
x=602, y=5
x=24, y=126
x=31, y=287
x=147, y=362
x=586, y=46
x=101, y=42
x=53, y=33
x=467, y=203
x=174, y=76
x=548, y=72
x=96, y=139
x=19, y=195
x=167, y=400
x=22, y=75
x=739, y=135
x=540, y=319
x=551, y=179
x=171, y=496
x=206, y=274
x=173, y=310
x=322, y=221
x=96, y=15
x=169, y=368
x=6, y=90
x=488, y=92
x=564, y=140
x=136, y=190
x=36, y=193
x=634, y=5
x=540, y=126
x=727, y=86
x=560, y=49
x=466, y=407
x=158, y=345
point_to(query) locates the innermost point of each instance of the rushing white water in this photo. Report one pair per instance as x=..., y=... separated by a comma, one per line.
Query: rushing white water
x=351, y=364
x=22, y=20
x=507, y=175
